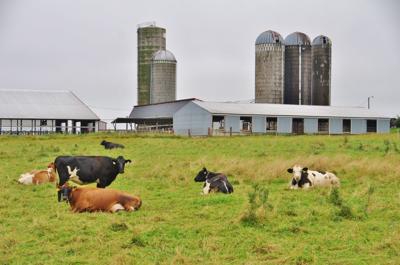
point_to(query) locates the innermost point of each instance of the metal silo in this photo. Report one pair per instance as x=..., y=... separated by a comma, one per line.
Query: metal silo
x=297, y=69
x=270, y=59
x=150, y=40
x=163, y=77
x=321, y=71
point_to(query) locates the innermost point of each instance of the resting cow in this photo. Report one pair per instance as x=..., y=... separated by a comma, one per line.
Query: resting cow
x=216, y=182
x=88, y=169
x=37, y=177
x=95, y=199
x=110, y=145
x=305, y=178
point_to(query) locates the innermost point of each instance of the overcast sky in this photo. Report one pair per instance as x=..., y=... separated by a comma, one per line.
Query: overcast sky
x=89, y=47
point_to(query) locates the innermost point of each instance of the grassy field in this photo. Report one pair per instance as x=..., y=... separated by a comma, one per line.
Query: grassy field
x=358, y=224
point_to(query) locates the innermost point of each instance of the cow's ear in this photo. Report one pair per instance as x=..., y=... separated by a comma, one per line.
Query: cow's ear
x=305, y=169
x=128, y=161
x=290, y=170
x=204, y=168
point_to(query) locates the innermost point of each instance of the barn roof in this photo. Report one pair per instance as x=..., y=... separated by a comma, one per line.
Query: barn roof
x=158, y=110
x=287, y=110
x=43, y=104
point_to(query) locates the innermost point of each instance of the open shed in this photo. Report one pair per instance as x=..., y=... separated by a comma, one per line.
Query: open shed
x=40, y=112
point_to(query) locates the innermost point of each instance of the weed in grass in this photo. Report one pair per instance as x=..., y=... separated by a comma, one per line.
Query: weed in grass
x=117, y=227
x=258, y=204
x=343, y=211
x=370, y=191
x=386, y=146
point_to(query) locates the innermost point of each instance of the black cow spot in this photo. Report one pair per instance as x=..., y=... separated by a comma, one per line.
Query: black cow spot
x=322, y=172
x=313, y=174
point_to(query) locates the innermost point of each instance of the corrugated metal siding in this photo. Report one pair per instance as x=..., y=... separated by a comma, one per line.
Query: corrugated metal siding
x=284, y=125
x=383, y=126
x=335, y=126
x=232, y=121
x=259, y=124
x=192, y=117
x=358, y=126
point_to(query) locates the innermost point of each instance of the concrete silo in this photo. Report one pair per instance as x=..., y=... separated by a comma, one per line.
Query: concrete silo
x=270, y=59
x=150, y=39
x=297, y=69
x=321, y=71
x=163, y=77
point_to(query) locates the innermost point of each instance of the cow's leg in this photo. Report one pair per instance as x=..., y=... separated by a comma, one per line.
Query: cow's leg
x=206, y=188
x=117, y=207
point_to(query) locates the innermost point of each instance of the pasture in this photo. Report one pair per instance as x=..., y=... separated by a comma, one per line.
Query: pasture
x=357, y=224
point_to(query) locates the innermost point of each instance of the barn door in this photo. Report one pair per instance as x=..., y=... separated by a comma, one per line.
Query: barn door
x=298, y=126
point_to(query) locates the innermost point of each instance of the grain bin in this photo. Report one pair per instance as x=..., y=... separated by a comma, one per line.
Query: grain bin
x=270, y=56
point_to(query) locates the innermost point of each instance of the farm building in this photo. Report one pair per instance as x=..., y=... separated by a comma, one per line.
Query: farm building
x=197, y=117
x=39, y=112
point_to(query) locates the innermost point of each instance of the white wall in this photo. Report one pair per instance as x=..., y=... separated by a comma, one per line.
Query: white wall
x=383, y=126
x=335, y=126
x=310, y=125
x=259, y=124
x=192, y=117
x=358, y=126
x=284, y=124
x=234, y=122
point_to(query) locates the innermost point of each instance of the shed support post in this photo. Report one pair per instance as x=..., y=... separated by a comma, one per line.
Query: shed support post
x=230, y=131
x=189, y=133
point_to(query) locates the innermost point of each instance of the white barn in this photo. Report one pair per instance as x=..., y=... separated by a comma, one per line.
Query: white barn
x=197, y=117
x=41, y=111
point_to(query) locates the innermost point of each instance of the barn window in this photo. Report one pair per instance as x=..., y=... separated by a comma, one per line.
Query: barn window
x=346, y=126
x=272, y=124
x=218, y=122
x=298, y=126
x=245, y=124
x=371, y=126
x=323, y=125
x=43, y=122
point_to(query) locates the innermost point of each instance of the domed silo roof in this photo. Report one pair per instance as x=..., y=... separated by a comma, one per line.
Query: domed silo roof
x=163, y=55
x=269, y=37
x=321, y=40
x=297, y=38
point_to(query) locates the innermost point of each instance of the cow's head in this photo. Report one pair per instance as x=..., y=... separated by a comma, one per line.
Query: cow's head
x=51, y=167
x=297, y=171
x=64, y=192
x=202, y=175
x=120, y=163
x=103, y=142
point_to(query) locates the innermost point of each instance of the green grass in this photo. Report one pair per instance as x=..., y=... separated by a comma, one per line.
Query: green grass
x=357, y=224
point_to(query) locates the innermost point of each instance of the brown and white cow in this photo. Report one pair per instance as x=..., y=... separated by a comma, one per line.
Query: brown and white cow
x=37, y=177
x=305, y=178
x=98, y=199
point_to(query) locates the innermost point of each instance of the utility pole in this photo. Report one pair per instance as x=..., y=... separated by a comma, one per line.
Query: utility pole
x=369, y=101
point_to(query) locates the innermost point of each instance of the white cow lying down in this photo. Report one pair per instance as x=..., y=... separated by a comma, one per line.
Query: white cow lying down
x=305, y=178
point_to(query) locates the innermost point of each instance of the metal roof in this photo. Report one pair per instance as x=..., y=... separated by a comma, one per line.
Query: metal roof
x=322, y=40
x=287, y=110
x=297, y=38
x=158, y=110
x=42, y=104
x=163, y=55
x=269, y=37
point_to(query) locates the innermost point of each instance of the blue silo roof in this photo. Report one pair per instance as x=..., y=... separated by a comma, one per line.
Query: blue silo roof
x=321, y=40
x=297, y=38
x=269, y=37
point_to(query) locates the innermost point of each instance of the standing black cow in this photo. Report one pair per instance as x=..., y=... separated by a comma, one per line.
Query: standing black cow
x=110, y=145
x=89, y=169
x=213, y=182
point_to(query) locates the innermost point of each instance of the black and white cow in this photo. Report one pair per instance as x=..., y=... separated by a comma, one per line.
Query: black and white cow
x=305, y=178
x=110, y=145
x=217, y=182
x=89, y=169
